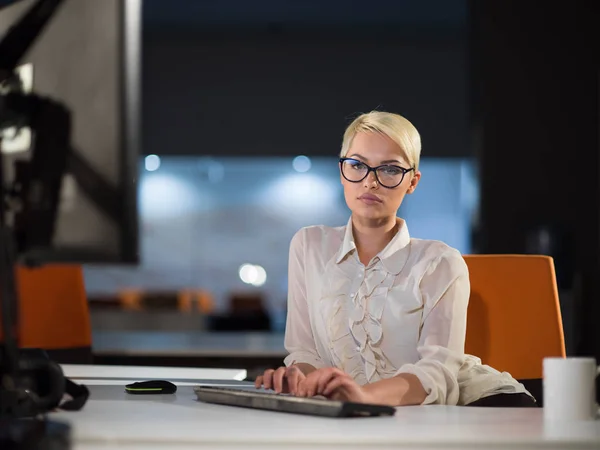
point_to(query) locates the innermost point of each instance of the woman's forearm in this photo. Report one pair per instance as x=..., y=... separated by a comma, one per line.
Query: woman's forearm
x=402, y=390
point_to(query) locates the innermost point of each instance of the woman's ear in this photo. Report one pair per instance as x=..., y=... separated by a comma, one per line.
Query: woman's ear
x=414, y=181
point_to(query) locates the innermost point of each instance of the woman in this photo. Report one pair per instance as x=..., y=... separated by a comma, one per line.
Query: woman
x=374, y=315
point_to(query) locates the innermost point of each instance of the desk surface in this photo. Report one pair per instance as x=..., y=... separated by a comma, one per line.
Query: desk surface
x=186, y=343
x=114, y=419
x=95, y=374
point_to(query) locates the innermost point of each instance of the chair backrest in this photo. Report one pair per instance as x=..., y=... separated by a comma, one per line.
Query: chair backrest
x=514, y=318
x=53, y=307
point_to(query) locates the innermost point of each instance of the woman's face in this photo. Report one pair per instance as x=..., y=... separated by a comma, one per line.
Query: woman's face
x=368, y=199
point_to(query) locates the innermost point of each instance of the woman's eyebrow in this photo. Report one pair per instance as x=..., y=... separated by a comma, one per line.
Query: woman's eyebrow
x=356, y=155
x=387, y=161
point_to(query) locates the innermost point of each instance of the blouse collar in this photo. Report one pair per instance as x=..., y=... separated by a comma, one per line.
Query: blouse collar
x=393, y=257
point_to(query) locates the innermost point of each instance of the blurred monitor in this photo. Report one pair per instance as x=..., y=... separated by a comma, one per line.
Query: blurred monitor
x=87, y=57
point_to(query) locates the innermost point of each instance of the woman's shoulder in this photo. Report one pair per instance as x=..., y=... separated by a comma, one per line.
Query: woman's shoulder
x=433, y=247
x=321, y=239
x=434, y=252
x=319, y=233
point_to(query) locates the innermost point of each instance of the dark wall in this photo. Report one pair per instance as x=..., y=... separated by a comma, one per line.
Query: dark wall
x=535, y=121
x=278, y=92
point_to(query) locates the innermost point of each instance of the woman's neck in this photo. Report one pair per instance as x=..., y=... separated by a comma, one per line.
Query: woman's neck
x=371, y=236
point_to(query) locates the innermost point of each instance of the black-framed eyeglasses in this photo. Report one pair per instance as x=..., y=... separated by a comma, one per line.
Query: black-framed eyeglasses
x=388, y=176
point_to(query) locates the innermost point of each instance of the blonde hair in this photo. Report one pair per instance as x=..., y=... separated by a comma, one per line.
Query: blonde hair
x=394, y=126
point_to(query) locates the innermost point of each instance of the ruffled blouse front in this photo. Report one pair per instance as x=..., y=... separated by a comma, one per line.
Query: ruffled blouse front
x=355, y=325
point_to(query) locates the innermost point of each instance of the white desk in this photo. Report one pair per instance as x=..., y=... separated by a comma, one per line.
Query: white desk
x=104, y=375
x=113, y=419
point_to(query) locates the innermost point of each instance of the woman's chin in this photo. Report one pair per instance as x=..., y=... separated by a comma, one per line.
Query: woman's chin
x=368, y=213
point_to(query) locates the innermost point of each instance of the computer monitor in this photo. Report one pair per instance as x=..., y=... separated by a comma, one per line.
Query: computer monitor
x=70, y=124
x=87, y=59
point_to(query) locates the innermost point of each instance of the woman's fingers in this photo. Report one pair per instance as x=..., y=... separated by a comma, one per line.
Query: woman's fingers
x=268, y=378
x=325, y=380
x=337, y=383
x=294, y=377
x=309, y=387
x=279, y=382
x=330, y=382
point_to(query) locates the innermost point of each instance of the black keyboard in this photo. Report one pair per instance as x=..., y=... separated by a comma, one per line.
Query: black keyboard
x=250, y=398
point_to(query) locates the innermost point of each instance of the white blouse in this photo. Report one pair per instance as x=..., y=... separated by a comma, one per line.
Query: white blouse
x=405, y=312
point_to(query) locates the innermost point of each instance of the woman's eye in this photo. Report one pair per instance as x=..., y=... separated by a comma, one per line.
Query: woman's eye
x=392, y=171
x=358, y=166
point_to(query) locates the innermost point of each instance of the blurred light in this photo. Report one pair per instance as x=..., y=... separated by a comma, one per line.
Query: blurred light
x=152, y=163
x=164, y=195
x=301, y=164
x=216, y=172
x=301, y=195
x=253, y=274
x=248, y=273
x=261, y=276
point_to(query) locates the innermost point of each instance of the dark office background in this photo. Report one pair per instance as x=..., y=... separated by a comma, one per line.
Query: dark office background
x=284, y=78
x=512, y=84
x=509, y=87
x=534, y=78
x=234, y=84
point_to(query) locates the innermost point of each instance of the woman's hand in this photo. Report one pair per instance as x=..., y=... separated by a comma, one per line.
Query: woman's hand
x=283, y=380
x=333, y=384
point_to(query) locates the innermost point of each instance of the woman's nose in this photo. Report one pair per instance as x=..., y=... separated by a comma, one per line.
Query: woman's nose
x=371, y=180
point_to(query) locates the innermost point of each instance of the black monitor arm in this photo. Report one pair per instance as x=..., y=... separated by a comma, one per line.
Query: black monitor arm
x=28, y=211
x=22, y=35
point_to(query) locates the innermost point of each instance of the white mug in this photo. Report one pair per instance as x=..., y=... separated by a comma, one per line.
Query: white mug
x=570, y=389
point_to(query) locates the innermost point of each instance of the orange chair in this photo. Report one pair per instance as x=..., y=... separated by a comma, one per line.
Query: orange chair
x=131, y=299
x=54, y=313
x=514, y=319
x=195, y=300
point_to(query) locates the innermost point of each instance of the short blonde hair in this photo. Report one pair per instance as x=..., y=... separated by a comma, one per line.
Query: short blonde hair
x=394, y=126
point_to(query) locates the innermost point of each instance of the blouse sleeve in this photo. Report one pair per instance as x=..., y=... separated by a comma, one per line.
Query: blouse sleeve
x=445, y=290
x=299, y=339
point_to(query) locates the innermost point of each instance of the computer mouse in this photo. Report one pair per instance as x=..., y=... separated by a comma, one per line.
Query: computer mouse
x=151, y=387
